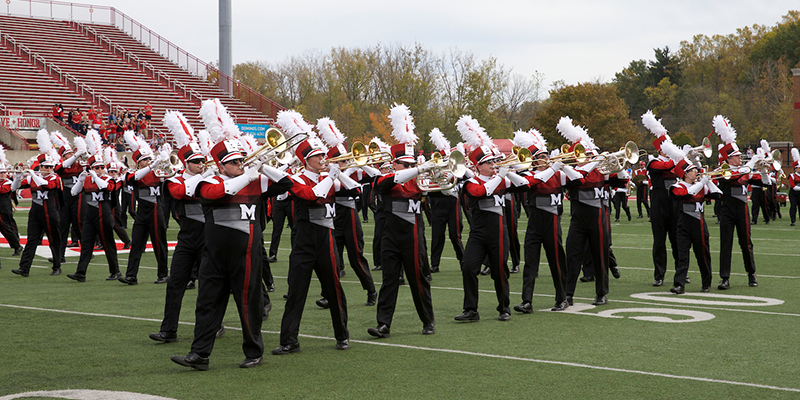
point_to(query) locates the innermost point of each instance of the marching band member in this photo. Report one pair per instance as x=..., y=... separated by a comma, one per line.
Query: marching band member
x=191, y=219
x=544, y=222
x=150, y=219
x=8, y=225
x=445, y=212
x=662, y=207
x=488, y=237
x=376, y=202
x=348, y=232
x=401, y=241
x=43, y=216
x=68, y=169
x=113, y=166
x=642, y=189
x=231, y=263
x=620, y=195
x=759, y=189
x=691, y=194
x=98, y=218
x=314, y=247
x=793, y=183
x=733, y=213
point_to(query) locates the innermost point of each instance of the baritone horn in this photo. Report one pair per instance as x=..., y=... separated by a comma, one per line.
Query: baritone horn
x=445, y=174
x=167, y=168
x=611, y=163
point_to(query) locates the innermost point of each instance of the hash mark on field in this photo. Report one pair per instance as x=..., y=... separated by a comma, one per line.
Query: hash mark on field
x=450, y=351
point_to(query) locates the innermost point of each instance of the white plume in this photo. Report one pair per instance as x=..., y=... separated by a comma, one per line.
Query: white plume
x=555, y=152
x=795, y=155
x=460, y=147
x=179, y=126
x=43, y=140
x=204, y=141
x=574, y=133
x=249, y=143
x=218, y=122
x=59, y=141
x=724, y=129
x=4, y=159
x=653, y=125
x=538, y=139
x=80, y=145
x=438, y=140
x=402, y=124
x=765, y=147
x=130, y=138
x=94, y=144
x=523, y=139
x=672, y=151
x=292, y=123
x=760, y=151
x=471, y=131
x=329, y=132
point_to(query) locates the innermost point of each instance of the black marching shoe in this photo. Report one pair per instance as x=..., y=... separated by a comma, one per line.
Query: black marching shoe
x=614, y=272
x=514, y=269
x=678, y=289
x=371, y=297
x=434, y=269
x=486, y=270
x=724, y=285
x=323, y=303
x=525, y=308
x=600, y=300
x=587, y=278
x=288, y=349
x=569, y=300
x=658, y=282
x=251, y=362
x=469, y=316
x=56, y=271
x=20, y=272
x=164, y=337
x=191, y=285
x=640, y=216
x=792, y=224
x=705, y=289
x=114, y=277
x=265, y=313
x=688, y=280
x=402, y=280
x=342, y=344
x=73, y=244
x=504, y=316
x=162, y=279
x=428, y=329
x=271, y=288
x=192, y=360
x=18, y=250
x=51, y=260
x=77, y=277
x=377, y=268
x=272, y=259
x=380, y=331
x=751, y=280
x=220, y=332
x=128, y=280
x=560, y=306
x=126, y=246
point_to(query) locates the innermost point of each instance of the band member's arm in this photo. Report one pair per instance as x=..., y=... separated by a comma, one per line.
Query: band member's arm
x=35, y=178
x=712, y=191
x=178, y=190
x=141, y=173
x=660, y=165
x=101, y=183
x=309, y=193
x=78, y=187
x=17, y=182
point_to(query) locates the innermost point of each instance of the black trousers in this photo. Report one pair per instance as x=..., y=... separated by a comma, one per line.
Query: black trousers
x=482, y=243
x=281, y=211
x=98, y=222
x=794, y=201
x=734, y=215
x=511, y=214
x=377, y=238
x=642, y=192
x=8, y=225
x=621, y=201
x=664, y=224
x=587, y=225
x=187, y=254
x=400, y=251
x=544, y=230
x=150, y=222
x=119, y=226
x=70, y=218
x=231, y=264
x=128, y=208
x=445, y=215
x=42, y=220
x=760, y=202
x=314, y=250
x=350, y=236
x=693, y=233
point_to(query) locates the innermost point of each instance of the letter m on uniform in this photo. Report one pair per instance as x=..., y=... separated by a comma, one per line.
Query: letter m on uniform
x=414, y=206
x=41, y=195
x=155, y=191
x=97, y=196
x=248, y=211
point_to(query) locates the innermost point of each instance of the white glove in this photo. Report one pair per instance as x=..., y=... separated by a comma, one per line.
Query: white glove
x=492, y=184
x=38, y=179
x=557, y=166
x=372, y=172
x=650, y=158
x=752, y=163
x=502, y=172
x=234, y=185
x=516, y=179
x=405, y=175
x=333, y=171
x=322, y=188
x=696, y=188
x=426, y=166
x=101, y=184
x=571, y=173
x=704, y=180
x=712, y=187
x=274, y=174
x=252, y=173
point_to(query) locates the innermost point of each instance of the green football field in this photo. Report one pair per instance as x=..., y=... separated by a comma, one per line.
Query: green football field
x=58, y=335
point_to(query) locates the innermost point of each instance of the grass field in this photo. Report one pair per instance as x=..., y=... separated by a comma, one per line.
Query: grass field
x=57, y=334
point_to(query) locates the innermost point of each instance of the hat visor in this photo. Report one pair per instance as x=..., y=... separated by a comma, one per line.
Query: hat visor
x=196, y=156
x=405, y=159
x=231, y=156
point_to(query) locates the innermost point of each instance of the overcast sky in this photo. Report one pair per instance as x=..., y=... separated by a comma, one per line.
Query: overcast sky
x=574, y=41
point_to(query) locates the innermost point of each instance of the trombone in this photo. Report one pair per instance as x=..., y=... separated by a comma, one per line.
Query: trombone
x=361, y=155
x=275, y=148
x=520, y=160
x=725, y=171
x=576, y=156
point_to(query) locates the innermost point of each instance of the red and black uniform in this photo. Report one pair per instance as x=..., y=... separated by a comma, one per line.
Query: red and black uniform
x=231, y=263
x=98, y=221
x=793, y=183
x=445, y=215
x=128, y=199
x=488, y=239
x=692, y=232
x=149, y=221
x=188, y=250
x=281, y=212
x=314, y=249
x=663, y=218
x=401, y=247
x=511, y=213
x=642, y=192
x=8, y=225
x=588, y=224
x=619, y=192
x=42, y=218
x=348, y=232
x=733, y=214
x=71, y=213
x=544, y=230
x=760, y=187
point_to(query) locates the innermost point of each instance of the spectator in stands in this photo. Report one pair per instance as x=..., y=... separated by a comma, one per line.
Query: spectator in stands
x=97, y=121
x=84, y=127
x=56, y=112
x=143, y=127
x=91, y=114
x=148, y=111
x=60, y=107
x=139, y=114
x=112, y=118
x=121, y=146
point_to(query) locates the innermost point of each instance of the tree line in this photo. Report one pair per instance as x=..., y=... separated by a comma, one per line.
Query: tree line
x=745, y=76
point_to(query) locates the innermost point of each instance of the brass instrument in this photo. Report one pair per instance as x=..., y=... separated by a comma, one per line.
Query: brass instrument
x=167, y=168
x=361, y=155
x=704, y=149
x=445, y=174
x=519, y=161
x=577, y=156
x=611, y=163
x=725, y=172
x=275, y=148
x=771, y=163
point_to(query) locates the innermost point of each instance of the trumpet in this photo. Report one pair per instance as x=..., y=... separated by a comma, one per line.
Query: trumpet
x=445, y=175
x=167, y=168
x=611, y=163
x=275, y=148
